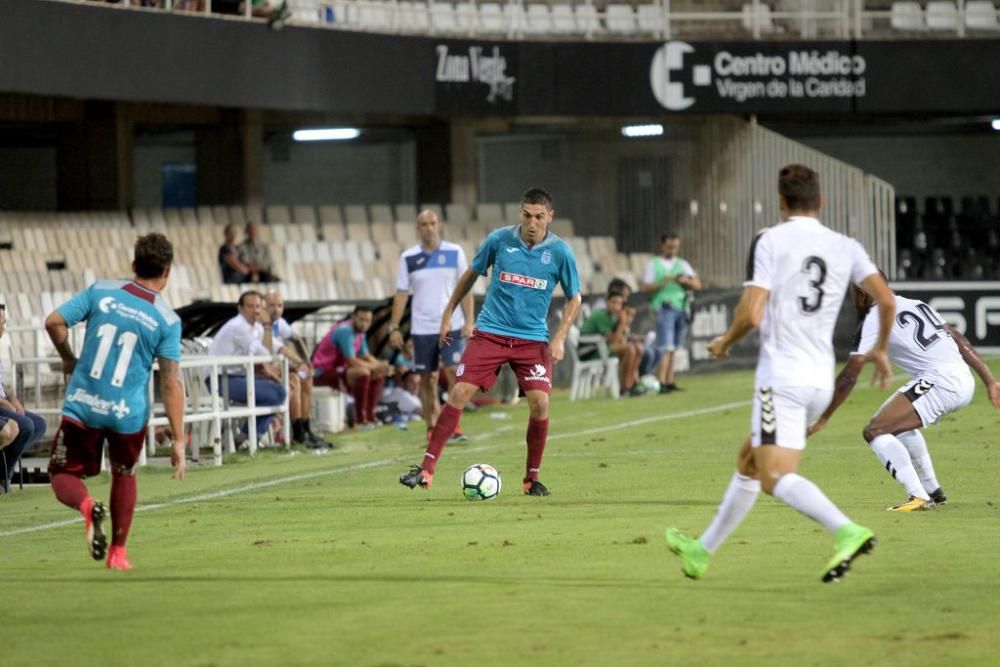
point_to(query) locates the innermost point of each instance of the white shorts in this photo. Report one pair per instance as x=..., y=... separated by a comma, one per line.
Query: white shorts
x=937, y=394
x=781, y=415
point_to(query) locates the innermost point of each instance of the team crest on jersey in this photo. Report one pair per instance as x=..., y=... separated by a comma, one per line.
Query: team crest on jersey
x=523, y=281
x=460, y=371
x=442, y=259
x=546, y=257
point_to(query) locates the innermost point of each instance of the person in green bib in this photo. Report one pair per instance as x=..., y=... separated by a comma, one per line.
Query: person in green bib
x=669, y=280
x=613, y=322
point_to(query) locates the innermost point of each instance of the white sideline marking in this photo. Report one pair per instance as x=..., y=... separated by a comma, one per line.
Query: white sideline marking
x=253, y=486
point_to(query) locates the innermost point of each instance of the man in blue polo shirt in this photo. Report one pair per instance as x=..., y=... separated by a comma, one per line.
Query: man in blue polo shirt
x=524, y=262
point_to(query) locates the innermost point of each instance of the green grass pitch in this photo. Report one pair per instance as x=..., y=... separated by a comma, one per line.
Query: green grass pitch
x=327, y=560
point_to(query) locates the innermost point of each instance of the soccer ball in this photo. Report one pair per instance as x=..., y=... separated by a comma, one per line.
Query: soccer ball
x=649, y=384
x=480, y=482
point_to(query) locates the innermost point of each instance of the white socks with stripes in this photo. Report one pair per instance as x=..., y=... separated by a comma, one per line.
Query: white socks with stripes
x=740, y=496
x=895, y=458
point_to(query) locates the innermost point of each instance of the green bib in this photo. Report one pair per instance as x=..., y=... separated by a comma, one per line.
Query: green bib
x=673, y=292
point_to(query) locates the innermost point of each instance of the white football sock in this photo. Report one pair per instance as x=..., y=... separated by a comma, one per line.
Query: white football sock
x=896, y=460
x=740, y=496
x=921, y=458
x=801, y=494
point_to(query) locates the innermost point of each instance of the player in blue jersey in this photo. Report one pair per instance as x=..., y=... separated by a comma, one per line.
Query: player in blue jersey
x=524, y=262
x=129, y=326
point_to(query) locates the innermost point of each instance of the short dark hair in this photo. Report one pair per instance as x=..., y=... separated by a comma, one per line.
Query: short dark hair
x=537, y=196
x=668, y=236
x=361, y=308
x=153, y=255
x=799, y=186
x=619, y=285
x=248, y=293
x=613, y=293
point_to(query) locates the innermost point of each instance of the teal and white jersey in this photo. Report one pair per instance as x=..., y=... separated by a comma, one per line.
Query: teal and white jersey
x=522, y=281
x=128, y=328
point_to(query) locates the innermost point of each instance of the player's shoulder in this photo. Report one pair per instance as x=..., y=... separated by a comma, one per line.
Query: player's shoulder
x=107, y=285
x=170, y=318
x=412, y=250
x=451, y=246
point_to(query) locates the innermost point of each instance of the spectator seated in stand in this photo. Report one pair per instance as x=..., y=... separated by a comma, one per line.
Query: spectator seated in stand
x=257, y=256
x=613, y=322
x=342, y=360
x=233, y=269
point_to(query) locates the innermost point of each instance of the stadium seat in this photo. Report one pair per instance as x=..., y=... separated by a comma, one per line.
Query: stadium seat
x=489, y=213
x=538, y=20
x=515, y=17
x=355, y=213
x=764, y=22
x=491, y=18
x=358, y=231
x=431, y=207
x=512, y=212
x=563, y=21
x=278, y=215
x=907, y=15
x=587, y=20
x=457, y=212
x=382, y=232
x=304, y=215
x=406, y=233
x=620, y=19
x=380, y=213
x=650, y=18
x=563, y=227
x=942, y=15
x=376, y=16
x=467, y=17
x=981, y=15
x=412, y=17
x=443, y=18
x=405, y=212
x=587, y=375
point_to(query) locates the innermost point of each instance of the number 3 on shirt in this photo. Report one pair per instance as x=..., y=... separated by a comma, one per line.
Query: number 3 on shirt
x=815, y=267
x=126, y=341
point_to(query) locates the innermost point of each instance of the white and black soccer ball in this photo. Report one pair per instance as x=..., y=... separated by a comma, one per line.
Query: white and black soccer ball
x=480, y=482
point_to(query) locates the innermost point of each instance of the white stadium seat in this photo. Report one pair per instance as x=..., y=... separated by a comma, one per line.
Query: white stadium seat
x=942, y=15
x=620, y=19
x=491, y=18
x=539, y=20
x=981, y=15
x=907, y=15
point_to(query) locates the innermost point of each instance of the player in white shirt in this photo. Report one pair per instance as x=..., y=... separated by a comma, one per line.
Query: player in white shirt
x=430, y=270
x=937, y=358
x=300, y=380
x=797, y=274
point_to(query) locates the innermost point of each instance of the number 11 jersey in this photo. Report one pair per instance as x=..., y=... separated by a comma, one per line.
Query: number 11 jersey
x=806, y=267
x=128, y=327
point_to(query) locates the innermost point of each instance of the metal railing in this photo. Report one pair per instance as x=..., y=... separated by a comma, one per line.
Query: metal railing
x=215, y=407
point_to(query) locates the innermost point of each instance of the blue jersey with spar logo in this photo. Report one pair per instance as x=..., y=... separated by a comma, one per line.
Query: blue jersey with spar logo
x=521, y=282
x=128, y=327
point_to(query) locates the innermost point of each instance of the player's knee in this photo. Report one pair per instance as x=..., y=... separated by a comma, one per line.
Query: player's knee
x=872, y=431
x=539, y=407
x=122, y=470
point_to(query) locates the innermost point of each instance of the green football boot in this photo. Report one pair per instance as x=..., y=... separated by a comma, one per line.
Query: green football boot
x=693, y=556
x=852, y=541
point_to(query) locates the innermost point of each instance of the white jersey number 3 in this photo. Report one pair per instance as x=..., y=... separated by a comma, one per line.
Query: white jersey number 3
x=126, y=341
x=815, y=268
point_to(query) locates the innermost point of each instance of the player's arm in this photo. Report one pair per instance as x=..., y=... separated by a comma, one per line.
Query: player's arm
x=398, y=308
x=469, y=310
x=58, y=332
x=462, y=288
x=843, y=386
x=172, y=390
x=570, y=311
x=977, y=364
x=747, y=317
x=877, y=288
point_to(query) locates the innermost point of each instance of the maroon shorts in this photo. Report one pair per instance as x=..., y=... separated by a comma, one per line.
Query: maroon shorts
x=76, y=449
x=335, y=378
x=486, y=354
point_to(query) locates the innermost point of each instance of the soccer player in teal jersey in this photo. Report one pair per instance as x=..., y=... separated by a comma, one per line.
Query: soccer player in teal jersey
x=524, y=262
x=129, y=326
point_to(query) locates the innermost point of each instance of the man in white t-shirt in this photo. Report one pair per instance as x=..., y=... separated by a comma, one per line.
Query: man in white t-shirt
x=300, y=380
x=797, y=274
x=937, y=358
x=430, y=270
x=245, y=335
x=669, y=280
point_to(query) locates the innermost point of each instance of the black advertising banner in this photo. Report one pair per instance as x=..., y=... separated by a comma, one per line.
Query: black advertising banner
x=183, y=58
x=972, y=308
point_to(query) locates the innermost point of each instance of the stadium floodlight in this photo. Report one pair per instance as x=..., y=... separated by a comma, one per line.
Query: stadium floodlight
x=995, y=124
x=634, y=131
x=327, y=134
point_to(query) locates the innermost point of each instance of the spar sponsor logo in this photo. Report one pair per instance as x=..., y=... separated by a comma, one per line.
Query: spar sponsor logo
x=681, y=75
x=523, y=281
